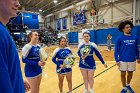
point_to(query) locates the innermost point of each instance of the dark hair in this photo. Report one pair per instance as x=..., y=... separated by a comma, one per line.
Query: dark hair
x=29, y=36
x=123, y=24
x=61, y=39
x=87, y=32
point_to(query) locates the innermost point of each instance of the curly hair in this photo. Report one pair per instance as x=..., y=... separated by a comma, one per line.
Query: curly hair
x=123, y=24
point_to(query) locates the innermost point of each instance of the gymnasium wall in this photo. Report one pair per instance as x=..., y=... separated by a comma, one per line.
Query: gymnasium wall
x=40, y=19
x=100, y=36
x=138, y=10
x=138, y=34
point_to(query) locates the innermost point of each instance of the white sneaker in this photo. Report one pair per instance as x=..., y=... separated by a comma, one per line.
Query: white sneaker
x=85, y=91
x=91, y=91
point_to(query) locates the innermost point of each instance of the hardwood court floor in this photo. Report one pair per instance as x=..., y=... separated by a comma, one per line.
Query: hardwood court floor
x=107, y=82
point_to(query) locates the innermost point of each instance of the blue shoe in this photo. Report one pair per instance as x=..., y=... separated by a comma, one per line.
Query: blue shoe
x=124, y=91
x=130, y=89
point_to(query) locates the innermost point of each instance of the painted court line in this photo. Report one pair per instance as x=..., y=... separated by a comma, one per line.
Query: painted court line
x=94, y=77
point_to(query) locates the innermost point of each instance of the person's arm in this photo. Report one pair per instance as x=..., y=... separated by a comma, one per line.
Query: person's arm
x=107, y=37
x=5, y=80
x=110, y=37
x=79, y=54
x=99, y=55
x=25, y=52
x=117, y=50
x=79, y=47
x=70, y=50
x=95, y=49
x=137, y=50
x=26, y=86
x=30, y=62
x=54, y=57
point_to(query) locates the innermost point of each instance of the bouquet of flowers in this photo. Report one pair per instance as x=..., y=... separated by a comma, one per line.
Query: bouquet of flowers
x=68, y=62
x=85, y=52
x=43, y=55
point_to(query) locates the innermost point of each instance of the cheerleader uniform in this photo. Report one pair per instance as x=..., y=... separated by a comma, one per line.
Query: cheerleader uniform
x=58, y=57
x=89, y=60
x=30, y=56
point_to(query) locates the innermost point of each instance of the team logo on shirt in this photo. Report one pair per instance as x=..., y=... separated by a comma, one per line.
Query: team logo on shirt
x=129, y=42
x=64, y=53
x=36, y=51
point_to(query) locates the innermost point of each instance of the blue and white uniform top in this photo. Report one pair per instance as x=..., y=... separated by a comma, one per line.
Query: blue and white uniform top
x=31, y=57
x=126, y=48
x=58, y=57
x=89, y=60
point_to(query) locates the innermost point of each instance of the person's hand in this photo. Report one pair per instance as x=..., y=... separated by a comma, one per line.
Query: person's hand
x=41, y=63
x=105, y=65
x=83, y=57
x=62, y=66
x=138, y=61
x=118, y=64
x=26, y=86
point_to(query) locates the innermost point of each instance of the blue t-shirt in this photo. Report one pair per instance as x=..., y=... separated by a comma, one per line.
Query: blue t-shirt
x=11, y=80
x=126, y=48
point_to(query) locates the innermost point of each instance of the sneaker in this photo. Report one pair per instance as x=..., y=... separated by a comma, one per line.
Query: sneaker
x=85, y=91
x=91, y=90
x=130, y=89
x=124, y=91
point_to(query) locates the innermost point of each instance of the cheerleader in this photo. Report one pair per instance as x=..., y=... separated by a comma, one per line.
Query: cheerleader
x=59, y=55
x=31, y=58
x=88, y=67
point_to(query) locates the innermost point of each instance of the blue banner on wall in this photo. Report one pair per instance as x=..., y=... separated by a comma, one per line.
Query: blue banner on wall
x=31, y=20
x=79, y=18
x=64, y=23
x=73, y=37
x=58, y=25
